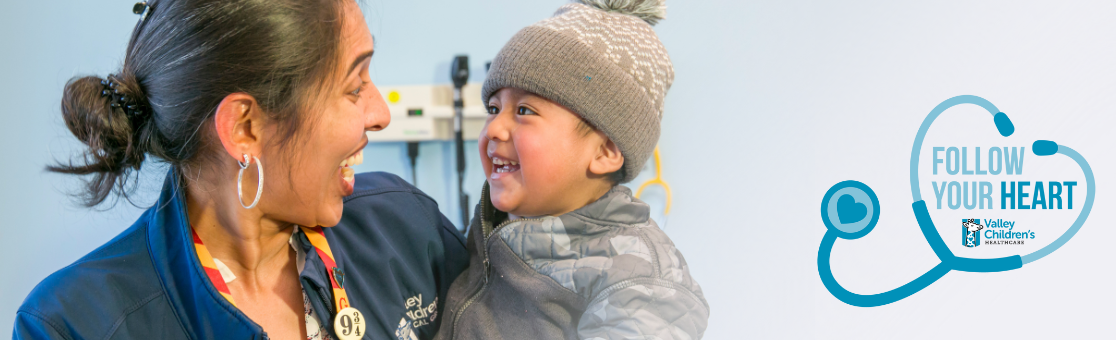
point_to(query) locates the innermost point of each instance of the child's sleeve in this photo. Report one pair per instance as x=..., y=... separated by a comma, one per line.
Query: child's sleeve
x=644, y=308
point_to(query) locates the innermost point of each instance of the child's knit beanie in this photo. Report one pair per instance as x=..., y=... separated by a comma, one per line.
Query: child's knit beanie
x=601, y=59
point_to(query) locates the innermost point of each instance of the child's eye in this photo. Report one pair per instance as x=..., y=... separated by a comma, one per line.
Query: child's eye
x=523, y=111
x=492, y=110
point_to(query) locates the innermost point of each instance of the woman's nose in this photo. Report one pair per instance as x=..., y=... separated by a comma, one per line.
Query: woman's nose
x=377, y=116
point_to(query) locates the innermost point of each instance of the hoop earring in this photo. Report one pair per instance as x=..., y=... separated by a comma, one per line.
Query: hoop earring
x=240, y=178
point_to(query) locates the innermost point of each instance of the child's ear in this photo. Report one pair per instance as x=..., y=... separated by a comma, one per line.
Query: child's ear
x=608, y=159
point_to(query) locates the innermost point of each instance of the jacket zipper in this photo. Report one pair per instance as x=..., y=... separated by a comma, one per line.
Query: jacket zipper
x=322, y=293
x=487, y=265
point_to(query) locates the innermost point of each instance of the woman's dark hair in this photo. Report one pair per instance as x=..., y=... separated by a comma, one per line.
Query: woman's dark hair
x=182, y=60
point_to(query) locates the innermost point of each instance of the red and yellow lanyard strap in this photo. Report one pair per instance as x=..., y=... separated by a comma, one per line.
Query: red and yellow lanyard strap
x=348, y=324
x=336, y=276
x=317, y=239
x=211, y=270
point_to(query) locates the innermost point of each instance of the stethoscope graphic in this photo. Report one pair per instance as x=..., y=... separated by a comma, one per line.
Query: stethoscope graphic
x=859, y=192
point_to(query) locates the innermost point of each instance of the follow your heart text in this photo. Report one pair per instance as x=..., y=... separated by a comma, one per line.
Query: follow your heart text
x=1005, y=161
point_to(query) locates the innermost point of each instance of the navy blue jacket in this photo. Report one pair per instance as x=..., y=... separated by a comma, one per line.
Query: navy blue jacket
x=398, y=253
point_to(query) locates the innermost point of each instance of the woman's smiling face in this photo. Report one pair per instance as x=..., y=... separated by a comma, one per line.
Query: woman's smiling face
x=319, y=173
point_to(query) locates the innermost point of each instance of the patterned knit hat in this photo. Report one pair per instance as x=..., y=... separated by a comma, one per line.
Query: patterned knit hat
x=601, y=59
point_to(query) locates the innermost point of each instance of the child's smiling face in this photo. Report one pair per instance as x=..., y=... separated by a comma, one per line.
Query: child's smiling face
x=536, y=158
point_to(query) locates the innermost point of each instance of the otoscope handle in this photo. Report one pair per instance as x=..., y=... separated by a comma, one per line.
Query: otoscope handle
x=459, y=73
x=459, y=138
x=460, y=150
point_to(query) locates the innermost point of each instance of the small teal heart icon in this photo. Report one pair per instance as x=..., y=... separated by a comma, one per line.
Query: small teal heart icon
x=849, y=211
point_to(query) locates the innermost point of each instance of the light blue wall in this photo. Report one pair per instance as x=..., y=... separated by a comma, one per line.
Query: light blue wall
x=44, y=44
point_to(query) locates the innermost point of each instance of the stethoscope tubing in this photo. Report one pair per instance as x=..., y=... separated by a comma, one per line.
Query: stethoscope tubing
x=1086, y=208
x=859, y=300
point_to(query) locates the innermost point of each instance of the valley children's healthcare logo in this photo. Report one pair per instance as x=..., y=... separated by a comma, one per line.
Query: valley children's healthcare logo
x=850, y=209
x=970, y=232
x=997, y=232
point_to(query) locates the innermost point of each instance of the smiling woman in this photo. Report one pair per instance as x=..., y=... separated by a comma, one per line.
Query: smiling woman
x=218, y=89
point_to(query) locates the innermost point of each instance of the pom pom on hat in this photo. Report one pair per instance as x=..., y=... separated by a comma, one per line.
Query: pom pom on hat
x=650, y=11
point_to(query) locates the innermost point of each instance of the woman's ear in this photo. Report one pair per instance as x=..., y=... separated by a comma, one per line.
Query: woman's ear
x=239, y=122
x=608, y=158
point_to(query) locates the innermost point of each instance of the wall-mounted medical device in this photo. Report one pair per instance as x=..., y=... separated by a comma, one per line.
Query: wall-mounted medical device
x=425, y=113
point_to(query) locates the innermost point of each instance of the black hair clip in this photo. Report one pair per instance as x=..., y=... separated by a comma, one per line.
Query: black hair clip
x=142, y=9
x=117, y=100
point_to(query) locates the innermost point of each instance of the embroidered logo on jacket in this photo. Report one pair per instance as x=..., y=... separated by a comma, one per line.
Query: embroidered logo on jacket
x=417, y=316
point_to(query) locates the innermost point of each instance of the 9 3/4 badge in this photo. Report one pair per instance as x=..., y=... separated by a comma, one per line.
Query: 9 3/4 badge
x=349, y=324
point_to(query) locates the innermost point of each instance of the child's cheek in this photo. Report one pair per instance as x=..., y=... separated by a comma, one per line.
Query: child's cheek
x=544, y=166
x=482, y=151
x=532, y=156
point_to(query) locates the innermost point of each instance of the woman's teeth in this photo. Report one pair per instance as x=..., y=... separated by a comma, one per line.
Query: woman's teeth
x=347, y=171
x=355, y=159
x=501, y=165
x=348, y=174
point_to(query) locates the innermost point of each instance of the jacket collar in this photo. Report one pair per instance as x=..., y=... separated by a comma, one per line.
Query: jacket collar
x=616, y=207
x=203, y=312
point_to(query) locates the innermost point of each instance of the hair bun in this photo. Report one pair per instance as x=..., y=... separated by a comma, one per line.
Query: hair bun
x=97, y=119
x=651, y=11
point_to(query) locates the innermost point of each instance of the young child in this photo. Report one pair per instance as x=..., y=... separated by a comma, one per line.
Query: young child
x=558, y=249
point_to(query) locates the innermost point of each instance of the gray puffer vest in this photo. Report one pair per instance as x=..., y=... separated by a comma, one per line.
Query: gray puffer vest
x=604, y=271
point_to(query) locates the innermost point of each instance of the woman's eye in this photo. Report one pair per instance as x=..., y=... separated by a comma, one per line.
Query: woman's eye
x=525, y=111
x=359, y=88
x=492, y=110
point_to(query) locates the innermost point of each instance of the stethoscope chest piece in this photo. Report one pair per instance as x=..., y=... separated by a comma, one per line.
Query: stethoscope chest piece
x=850, y=210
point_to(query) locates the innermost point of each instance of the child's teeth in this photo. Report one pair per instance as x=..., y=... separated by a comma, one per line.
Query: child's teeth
x=503, y=165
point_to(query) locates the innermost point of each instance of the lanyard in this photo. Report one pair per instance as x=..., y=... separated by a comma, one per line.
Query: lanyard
x=348, y=323
x=317, y=239
x=336, y=276
x=211, y=270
